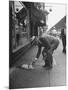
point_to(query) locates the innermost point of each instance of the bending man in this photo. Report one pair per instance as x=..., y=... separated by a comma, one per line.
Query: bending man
x=50, y=43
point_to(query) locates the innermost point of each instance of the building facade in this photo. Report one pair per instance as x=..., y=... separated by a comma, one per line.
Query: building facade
x=26, y=19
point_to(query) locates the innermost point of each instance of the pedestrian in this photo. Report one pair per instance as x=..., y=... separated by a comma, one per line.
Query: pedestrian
x=50, y=43
x=17, y=38
x=63, y=37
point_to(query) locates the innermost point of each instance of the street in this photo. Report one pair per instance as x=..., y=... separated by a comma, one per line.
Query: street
x=39, y=76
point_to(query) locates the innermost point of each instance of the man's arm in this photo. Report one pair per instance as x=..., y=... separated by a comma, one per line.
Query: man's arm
x=39, y=51
x=38, y=54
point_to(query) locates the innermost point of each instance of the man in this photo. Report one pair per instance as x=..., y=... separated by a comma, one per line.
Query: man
x=50, y=43
x=63, y=36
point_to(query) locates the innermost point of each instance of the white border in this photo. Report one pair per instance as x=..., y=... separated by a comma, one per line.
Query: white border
x=4, y=43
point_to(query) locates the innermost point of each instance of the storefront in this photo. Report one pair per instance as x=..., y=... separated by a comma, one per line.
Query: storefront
x=20, y=30
x=25, y=22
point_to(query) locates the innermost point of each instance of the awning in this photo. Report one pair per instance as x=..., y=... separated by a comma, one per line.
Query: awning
x=37, y=15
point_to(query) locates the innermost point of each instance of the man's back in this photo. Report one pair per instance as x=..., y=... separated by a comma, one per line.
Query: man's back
x=50, y=39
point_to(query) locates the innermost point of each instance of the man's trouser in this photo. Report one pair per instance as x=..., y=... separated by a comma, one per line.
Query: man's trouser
x=47, y=57
x=64, y=42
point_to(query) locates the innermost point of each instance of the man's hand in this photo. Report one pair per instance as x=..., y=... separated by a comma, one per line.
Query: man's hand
x=34, y=61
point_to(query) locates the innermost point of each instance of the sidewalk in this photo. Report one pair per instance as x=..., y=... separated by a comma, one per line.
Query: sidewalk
x=39, y=77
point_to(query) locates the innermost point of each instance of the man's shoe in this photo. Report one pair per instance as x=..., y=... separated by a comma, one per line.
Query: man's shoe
x=64, y=51
x=49, y=67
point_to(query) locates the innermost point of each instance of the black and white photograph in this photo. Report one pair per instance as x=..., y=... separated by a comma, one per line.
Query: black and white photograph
x=37, y=44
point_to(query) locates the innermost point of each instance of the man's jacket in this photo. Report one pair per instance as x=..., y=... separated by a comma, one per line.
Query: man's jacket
x=48, y=42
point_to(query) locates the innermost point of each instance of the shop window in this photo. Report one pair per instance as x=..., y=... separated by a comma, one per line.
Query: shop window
x=19, y=32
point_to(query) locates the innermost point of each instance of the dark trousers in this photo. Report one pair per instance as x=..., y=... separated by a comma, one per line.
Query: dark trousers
x=47, y=57
x=64, y=42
